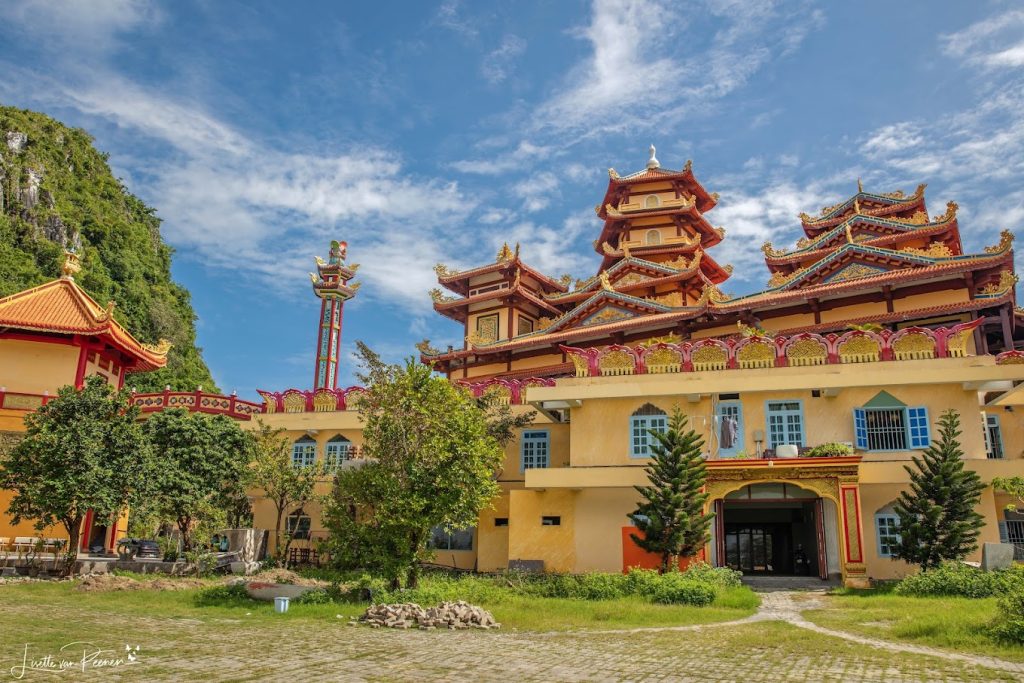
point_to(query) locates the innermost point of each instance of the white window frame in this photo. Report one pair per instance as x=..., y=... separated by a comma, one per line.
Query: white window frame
x=783, y=414
x=335, y=453
x=293, y=526
x=303, y=453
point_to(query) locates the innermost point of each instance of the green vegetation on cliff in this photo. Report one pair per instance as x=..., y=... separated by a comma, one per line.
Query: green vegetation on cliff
x=56, y=189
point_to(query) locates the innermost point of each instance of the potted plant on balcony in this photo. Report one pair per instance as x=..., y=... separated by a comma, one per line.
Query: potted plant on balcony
x=829, y=450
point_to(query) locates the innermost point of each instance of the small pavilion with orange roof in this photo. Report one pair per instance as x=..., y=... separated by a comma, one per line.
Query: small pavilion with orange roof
x=52, y=336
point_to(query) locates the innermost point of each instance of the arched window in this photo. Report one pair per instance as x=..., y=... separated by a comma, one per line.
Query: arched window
x=648, y=417
x=337, y=451
x=653, y=237
x=304, y=452
x=652, y=201
x=887, y=530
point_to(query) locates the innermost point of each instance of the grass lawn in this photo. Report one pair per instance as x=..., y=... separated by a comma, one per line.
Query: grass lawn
x=513, y=611
x=949, y=623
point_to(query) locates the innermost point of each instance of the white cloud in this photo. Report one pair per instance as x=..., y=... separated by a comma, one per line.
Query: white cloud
x=519, y=158
x=896, y=137
x=448, y=17
x=643, y=54
x=235, y=201
x=996, y=42
x=536, y=190
x=549, y=249
x=497, y=65
x=77, y=28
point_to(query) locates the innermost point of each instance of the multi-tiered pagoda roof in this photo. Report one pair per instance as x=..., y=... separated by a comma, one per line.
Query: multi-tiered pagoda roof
x=875, y=258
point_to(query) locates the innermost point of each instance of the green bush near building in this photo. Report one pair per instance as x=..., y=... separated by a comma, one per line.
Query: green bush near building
x=961, y=580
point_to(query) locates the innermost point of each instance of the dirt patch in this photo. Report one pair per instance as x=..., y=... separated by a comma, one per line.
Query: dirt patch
x=102, y=583
x=287, y=577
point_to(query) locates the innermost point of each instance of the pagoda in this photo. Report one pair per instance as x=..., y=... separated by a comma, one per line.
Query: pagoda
x=875, y=258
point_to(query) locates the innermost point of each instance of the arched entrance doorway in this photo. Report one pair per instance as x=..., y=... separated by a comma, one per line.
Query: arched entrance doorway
x=776, y=529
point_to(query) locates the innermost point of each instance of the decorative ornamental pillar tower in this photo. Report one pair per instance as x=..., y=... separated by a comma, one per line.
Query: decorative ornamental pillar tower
x=331, y=284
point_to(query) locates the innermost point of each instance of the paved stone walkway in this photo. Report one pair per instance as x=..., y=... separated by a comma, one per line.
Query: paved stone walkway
x=776, y=644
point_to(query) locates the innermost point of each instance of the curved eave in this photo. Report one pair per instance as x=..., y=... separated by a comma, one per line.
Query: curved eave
x=705, y=200
x=837, y=215
x=771, y=299
x=457, y=309
x=956, y=264
x=825, y=245
x=615, y=226
x=452, y=282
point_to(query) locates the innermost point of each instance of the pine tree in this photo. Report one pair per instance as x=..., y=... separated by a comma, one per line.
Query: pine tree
x=937, y=515
x=672, y=516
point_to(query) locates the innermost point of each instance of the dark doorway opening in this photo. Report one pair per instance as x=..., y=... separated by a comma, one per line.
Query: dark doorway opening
x=775, y=538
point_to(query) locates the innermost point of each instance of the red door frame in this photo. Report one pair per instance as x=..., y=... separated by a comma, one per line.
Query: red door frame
x=819, y=524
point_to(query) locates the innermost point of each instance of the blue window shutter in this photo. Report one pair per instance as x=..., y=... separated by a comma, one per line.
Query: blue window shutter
x=1004, y=536
x=860, y=428
x=917, y=426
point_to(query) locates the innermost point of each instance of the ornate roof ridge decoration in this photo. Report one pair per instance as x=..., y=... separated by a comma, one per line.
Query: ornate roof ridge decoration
x=934, y=250
x=438, y=297
x=827, y=212
x=758, y=349
x=161, y=348
x=71, y=265
x=62, y=307
x=1005, y=242
x=672, y=299
x=779, y=278
x=505, y=254
x=950, y=214
x=1007, y=281
x=605, y=282
x=768, y=250
x=711, y=294
x=424, y=347
x=444, y=271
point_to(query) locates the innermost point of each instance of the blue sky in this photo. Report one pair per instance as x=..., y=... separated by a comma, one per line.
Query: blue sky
x=433, y=131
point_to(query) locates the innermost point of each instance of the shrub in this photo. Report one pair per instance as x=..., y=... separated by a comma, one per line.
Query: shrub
x=643, y=582
x=1009, y=624
x=722, y=577
x=230, y=595
x=317, y=596
x=958, y=579
x=829, y=450
x=675, y=589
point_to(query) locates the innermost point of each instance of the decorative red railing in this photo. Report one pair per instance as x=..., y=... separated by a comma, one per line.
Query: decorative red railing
x=13, y=400
x=510, y=390
x=198, y=401
x=299, y=401
x=763, y=351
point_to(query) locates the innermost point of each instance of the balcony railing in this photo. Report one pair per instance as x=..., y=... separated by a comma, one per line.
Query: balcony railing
x=762, y=351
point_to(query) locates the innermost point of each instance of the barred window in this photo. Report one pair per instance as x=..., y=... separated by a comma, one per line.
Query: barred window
x=643, y=421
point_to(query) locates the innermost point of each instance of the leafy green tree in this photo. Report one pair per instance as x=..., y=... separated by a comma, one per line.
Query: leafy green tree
x=938, y=521
x=1014, y=486
x=288, y=487
x=84, y=450
x=671, y=513
x=433, y=452
x=200, y=456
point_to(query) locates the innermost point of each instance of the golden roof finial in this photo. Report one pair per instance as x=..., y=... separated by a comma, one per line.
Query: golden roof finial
x=856, y=205
x=605, y=282
x=849, y=233
x=71, y=265
x=860, y=187
x=504, y=254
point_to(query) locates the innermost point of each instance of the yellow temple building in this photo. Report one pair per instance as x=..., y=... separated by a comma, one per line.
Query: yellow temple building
x=811, y=395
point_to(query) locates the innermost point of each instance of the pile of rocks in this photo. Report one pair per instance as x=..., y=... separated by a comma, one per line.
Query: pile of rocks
x=451, y=615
